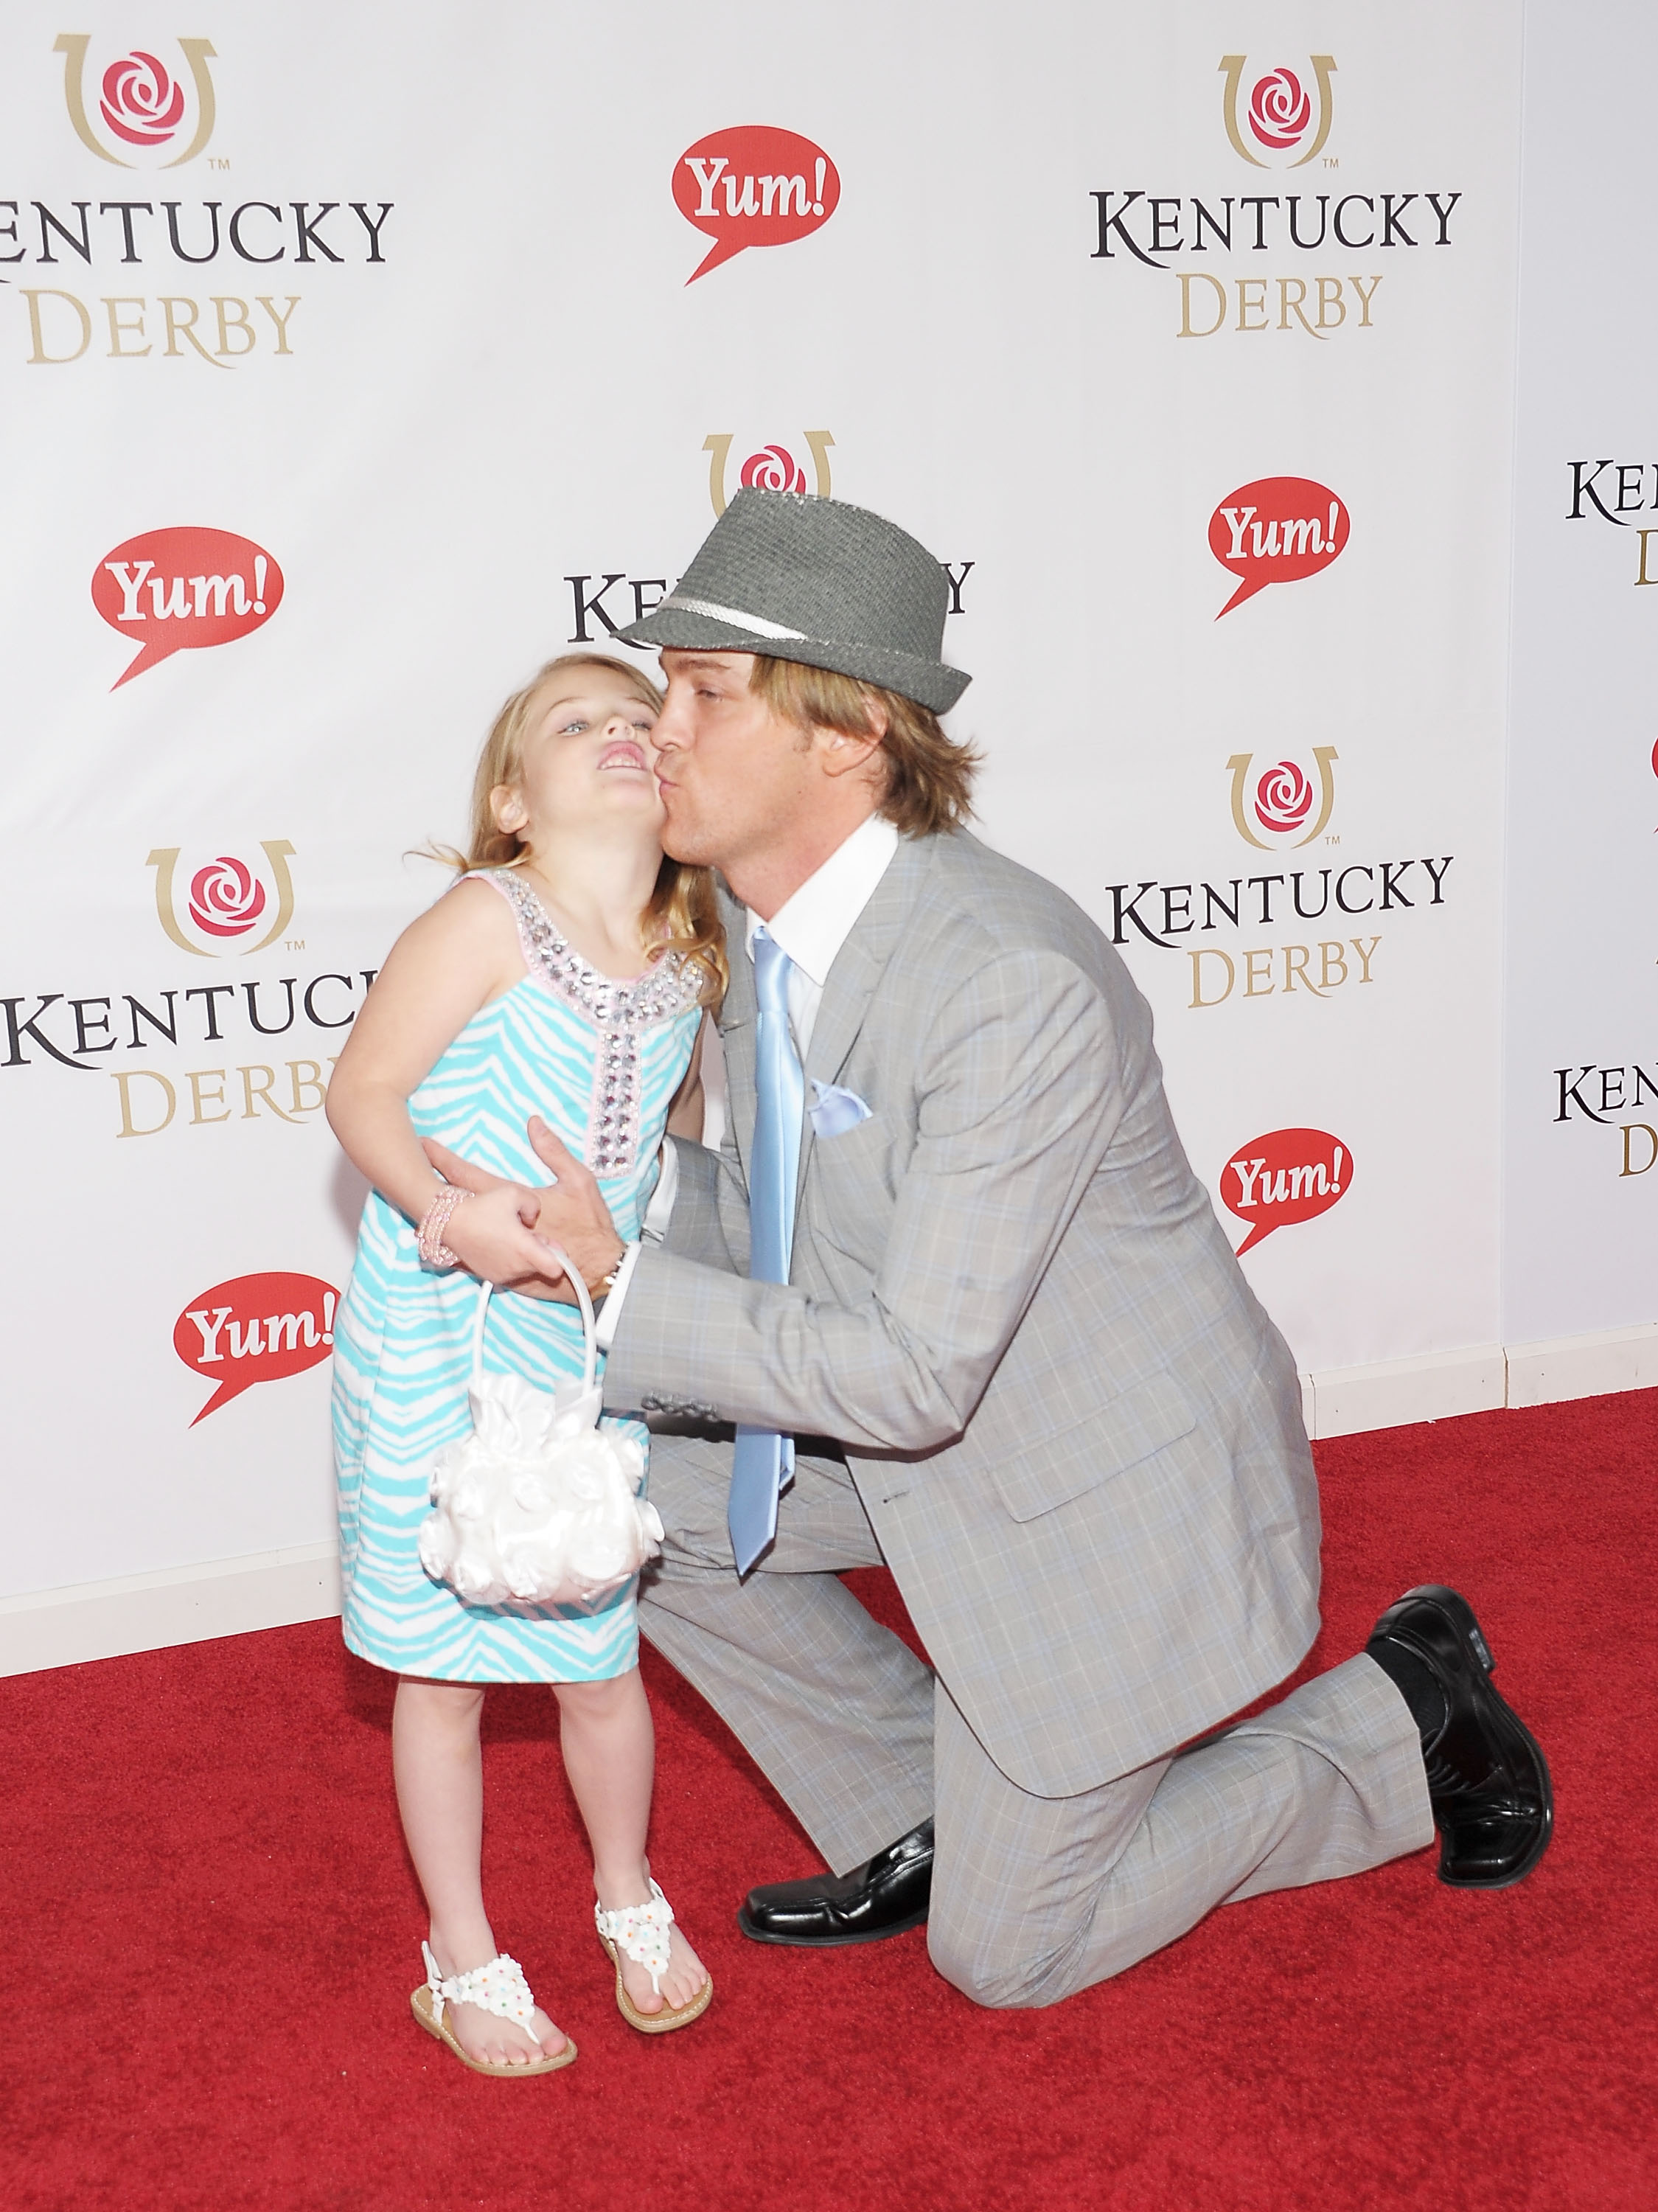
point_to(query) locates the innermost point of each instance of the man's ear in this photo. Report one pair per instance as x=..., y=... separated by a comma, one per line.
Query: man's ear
x=841, y=751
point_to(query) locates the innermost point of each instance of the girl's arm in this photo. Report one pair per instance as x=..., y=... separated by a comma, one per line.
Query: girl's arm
x=446, y=965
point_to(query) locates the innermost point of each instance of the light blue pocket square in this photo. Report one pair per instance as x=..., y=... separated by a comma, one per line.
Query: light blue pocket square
x=834, y=1111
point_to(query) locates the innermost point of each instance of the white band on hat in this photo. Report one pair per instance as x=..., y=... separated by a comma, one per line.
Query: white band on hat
x=737, y=618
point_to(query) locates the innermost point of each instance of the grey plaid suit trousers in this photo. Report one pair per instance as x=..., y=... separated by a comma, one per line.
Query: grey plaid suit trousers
x=1060, y=1416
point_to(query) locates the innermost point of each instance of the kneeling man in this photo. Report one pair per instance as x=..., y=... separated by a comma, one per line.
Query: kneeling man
x=973, y=1314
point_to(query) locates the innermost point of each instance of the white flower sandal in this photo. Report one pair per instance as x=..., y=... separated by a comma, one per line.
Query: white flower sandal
x=498, y=1988
x=641, y=1930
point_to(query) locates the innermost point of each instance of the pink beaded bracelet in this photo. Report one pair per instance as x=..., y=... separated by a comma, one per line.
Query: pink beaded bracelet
x=428, y=1238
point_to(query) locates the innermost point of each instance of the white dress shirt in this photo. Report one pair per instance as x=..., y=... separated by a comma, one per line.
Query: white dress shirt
x=813, y=924
x=811, y=927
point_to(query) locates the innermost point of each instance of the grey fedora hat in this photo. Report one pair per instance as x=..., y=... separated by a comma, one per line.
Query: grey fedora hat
x=817, y=581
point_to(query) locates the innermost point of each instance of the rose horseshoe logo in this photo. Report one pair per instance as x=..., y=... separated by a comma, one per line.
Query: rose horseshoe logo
x=1279, y=110
x=140, y=103
x=1282, y=798
x=226, y=900
x=772, y=468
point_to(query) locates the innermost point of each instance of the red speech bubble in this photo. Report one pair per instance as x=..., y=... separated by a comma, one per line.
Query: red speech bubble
x=1276, y=530
x=753, y=186
x=255, y=1328
x=175, y=590
x=1287, y=1176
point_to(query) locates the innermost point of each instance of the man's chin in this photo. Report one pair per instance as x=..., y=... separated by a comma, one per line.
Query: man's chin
x=682, y=841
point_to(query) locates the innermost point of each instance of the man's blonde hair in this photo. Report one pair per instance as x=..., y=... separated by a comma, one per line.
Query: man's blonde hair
x=928, y=776
x=682, y=913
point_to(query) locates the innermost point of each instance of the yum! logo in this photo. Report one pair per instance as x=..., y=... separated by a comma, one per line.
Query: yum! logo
x=1285, y=1177
x=134, y=110
x=1276, y=530
x=255, y=1328
x=1289, y=806
x=753, y=186
x=235, y=905
x=145, y=590
x=768, y=468
x=1280, y=119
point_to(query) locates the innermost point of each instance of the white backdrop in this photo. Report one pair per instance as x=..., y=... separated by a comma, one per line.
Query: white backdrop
x=1015, y=333
x=1580, y=1065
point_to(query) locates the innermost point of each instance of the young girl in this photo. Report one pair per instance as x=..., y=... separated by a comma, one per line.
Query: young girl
x=564, y=975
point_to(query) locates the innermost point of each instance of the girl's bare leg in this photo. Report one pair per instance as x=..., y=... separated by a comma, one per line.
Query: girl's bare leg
x=610, y=1755
x=439, y=1777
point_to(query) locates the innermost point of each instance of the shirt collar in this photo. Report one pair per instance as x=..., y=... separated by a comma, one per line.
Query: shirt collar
x=813, y=924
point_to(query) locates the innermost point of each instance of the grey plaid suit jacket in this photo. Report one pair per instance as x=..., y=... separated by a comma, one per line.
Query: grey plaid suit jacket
x=1075, y=1433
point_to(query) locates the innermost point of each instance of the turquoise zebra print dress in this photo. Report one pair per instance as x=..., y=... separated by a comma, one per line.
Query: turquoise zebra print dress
x=600, y=1062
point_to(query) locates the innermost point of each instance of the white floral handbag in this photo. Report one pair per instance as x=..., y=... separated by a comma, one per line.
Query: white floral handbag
x=539, y=1505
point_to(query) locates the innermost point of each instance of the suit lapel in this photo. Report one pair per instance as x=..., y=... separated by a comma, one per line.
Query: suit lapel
x=737, y=1031
x=858, y=967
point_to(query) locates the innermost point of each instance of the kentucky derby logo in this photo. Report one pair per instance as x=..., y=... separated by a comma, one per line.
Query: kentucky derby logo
x=1275, y=121
x=1284, y=800
x=136, y=104
x=768, y=468
x=235, y=907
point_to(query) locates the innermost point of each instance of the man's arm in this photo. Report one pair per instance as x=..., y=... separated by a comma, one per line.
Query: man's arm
x=700, y=1209
x=710, y=1219
x=684, y=1216
x=1022, y=1082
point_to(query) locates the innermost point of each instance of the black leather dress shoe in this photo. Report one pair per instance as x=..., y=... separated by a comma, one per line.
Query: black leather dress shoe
x=1488, y=1782
x=886, y=1895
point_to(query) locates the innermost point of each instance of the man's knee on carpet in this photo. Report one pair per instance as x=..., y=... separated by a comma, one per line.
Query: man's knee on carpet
x=1002, y=1976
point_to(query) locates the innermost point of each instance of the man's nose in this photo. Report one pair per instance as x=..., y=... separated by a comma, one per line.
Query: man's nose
x=672, y=728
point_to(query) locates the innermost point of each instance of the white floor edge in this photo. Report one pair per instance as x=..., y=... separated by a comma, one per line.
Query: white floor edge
x=273, y=1590
x=181, y=1605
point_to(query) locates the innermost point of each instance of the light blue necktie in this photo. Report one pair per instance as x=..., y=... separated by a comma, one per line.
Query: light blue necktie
x=764, y=1460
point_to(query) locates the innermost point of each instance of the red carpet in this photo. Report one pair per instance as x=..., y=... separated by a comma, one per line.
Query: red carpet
x=212, y=1933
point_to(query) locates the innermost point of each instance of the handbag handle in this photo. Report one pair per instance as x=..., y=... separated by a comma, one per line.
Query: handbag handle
x=589, y=1337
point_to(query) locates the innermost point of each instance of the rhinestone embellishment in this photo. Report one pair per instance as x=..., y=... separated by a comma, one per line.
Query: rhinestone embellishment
x=620, y=1012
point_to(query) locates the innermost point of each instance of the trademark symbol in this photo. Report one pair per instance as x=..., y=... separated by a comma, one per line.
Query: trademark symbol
x=1331, y=162
x=1333, y=841
x=297, y=944
x=219, y=161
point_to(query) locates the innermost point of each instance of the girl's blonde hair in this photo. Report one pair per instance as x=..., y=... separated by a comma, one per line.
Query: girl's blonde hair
x=682, y=906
